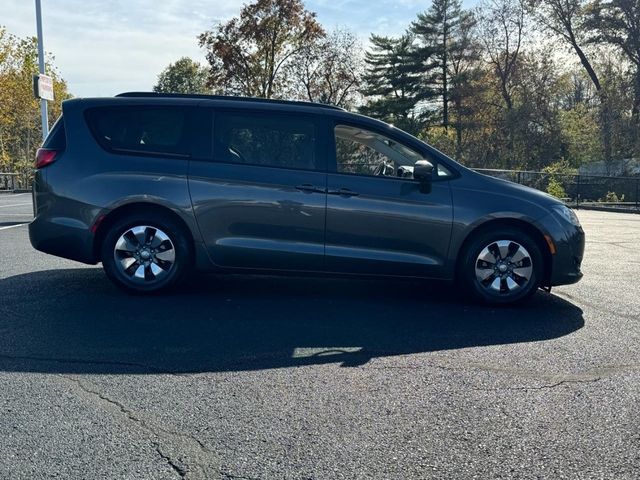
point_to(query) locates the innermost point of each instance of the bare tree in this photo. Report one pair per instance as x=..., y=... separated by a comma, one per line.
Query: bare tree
x=502, y=28
x=329, y=70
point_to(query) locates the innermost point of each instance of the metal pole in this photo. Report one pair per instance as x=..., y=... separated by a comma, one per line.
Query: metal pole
x=43, y=102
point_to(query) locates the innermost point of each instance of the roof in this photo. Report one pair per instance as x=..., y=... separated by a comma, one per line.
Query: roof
x=228, y=98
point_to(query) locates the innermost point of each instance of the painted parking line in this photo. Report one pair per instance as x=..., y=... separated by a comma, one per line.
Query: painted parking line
x=14, y=205
x=14, y=226
x=14, y=195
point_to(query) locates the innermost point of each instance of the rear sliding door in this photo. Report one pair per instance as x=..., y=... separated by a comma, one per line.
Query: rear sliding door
x=260, y=199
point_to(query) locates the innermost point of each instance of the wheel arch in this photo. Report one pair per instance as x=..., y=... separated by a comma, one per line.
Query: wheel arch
x=527, y=227
x=105, y=222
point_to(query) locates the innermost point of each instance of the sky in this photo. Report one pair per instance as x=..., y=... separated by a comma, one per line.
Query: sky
x=104, y=47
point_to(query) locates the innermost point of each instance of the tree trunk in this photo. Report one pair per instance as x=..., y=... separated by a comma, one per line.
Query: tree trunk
x=635, y=114
x=605, y=119
x=458, y=106
x=605, y=108
x=445, y=86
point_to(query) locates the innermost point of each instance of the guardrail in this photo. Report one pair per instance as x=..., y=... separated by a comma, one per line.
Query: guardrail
x=620, y=193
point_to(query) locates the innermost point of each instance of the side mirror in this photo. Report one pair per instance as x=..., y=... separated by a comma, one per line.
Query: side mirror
x=422, y=171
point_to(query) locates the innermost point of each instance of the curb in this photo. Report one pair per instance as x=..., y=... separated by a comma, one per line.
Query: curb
x=608, y=209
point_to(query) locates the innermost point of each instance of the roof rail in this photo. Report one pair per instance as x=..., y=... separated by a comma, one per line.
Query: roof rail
x=228, y=97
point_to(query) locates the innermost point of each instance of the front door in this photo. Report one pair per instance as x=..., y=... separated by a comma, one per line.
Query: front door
x=260, y=201
x=379, y=219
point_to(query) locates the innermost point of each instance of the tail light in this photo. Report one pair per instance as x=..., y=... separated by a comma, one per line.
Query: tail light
x=45, y=156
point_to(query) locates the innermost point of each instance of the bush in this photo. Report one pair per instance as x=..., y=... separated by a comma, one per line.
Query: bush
x=612, y=197
x=560, y=168
x=556, y=171
x=556, y=189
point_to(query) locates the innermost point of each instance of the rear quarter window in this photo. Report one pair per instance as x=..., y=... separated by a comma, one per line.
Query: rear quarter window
x=56, y=139
x=141, y=130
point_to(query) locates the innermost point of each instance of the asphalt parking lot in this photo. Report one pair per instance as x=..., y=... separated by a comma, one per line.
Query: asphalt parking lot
x=270, y=378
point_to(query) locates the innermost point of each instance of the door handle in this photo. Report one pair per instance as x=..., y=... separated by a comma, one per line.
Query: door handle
x=307, y=187
x=344, y=192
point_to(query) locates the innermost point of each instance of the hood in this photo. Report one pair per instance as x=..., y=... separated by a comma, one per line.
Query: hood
x=522, y=192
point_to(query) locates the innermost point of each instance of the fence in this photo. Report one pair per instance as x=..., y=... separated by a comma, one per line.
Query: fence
x=10, y=182
x=579, y=190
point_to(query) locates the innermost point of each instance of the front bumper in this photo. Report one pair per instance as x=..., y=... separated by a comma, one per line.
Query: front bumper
x=567, y=262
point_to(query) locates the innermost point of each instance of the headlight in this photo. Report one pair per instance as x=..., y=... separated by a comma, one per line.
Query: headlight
x=567, y=213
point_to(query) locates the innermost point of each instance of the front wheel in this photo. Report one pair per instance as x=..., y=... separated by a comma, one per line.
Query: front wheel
x=145, y=253
x=501, y=266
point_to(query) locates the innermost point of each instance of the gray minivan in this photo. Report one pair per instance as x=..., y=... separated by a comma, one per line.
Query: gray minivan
x=156, y=185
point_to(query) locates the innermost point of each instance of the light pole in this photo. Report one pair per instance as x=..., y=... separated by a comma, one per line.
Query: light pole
x=43, y=102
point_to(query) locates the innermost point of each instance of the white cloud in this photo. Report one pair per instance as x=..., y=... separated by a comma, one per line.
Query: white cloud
x=102, y=48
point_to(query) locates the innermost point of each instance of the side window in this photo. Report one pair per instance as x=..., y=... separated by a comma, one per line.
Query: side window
x=141, y=130
x=365, y=152
x=57, y=138
x=259, y=139
x=443, y=171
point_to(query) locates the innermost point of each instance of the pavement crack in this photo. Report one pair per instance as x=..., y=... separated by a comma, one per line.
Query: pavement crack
x=185, y=454
x=177, y=467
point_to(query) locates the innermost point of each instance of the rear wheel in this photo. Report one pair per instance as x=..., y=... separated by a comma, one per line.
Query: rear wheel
x=501, y=266
x=146, y=253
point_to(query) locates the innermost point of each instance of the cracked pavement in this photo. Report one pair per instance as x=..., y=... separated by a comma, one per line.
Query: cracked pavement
x=311, y=378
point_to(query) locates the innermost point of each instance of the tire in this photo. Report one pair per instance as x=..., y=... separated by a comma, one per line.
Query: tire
x=146, y=252
x=501, y=266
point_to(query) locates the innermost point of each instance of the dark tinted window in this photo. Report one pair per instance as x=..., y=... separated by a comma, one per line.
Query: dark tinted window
x=56, y=138
x=257, y=139
x=145, y=130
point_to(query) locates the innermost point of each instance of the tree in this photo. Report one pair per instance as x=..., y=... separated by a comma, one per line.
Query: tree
x=443, y=31
x=465, y=71
x=502, y=24
x=20, y=125
x=502, y=31
x=617, y=22
x=328, y=70
x=183, y=76
x=566, y=19
x=395, y=82
x=535, y=118
x=579, y=129
x=249, y=53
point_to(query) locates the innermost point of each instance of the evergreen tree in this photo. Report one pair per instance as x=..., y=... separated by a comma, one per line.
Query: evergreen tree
x=444, y=40
x=395, y=82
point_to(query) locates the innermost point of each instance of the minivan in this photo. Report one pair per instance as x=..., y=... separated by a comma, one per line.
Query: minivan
x=156, y=186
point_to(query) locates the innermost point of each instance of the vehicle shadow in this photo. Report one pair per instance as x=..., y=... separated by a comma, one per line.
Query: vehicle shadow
x=75, y=321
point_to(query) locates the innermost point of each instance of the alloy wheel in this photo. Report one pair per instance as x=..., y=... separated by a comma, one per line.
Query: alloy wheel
x=144, y=254
x=504, y=267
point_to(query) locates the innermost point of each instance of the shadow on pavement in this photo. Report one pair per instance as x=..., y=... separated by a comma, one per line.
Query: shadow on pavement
x=75, y=321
